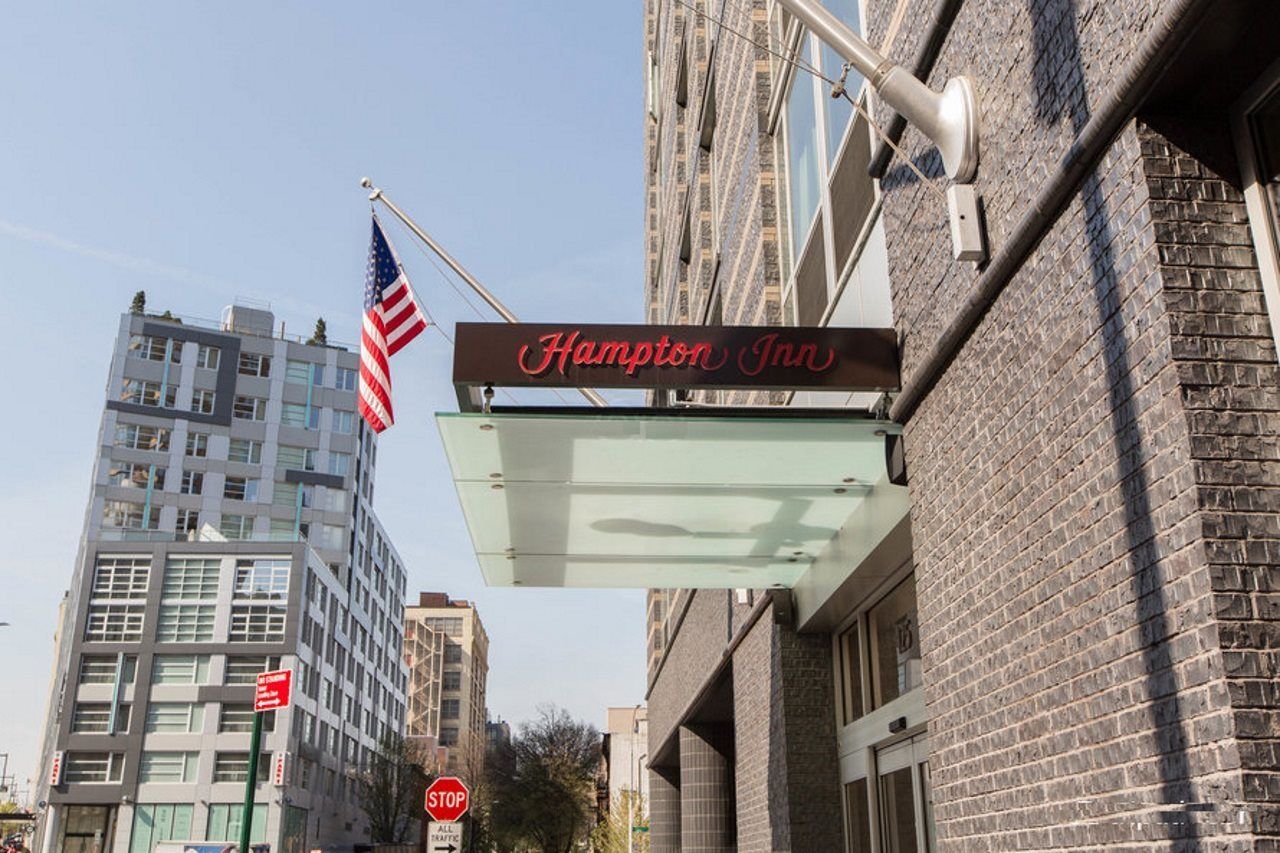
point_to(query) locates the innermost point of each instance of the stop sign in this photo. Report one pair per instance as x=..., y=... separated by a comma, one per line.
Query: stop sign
x=447, y=799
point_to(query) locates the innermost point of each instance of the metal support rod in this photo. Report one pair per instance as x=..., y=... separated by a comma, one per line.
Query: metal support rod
x=251, y=783
x=505, y=313
x=948, y=118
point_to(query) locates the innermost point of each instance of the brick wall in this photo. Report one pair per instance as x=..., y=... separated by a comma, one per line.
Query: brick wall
x=1093, y=479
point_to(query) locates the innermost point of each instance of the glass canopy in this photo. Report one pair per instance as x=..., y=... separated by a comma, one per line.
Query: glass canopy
x=587, y=499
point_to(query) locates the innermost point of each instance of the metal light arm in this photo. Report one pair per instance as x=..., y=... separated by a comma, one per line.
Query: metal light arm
x=948, y=118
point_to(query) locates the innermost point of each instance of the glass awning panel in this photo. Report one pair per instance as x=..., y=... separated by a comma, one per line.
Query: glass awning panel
x=592, y=499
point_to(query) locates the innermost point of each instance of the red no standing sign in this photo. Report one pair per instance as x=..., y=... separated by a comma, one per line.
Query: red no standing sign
x=274, y=690
x=447, y=799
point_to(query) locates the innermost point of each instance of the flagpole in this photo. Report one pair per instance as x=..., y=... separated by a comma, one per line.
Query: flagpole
x=505, y=313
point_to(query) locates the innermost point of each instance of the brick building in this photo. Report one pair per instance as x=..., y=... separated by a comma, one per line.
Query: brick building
x=1066, y=637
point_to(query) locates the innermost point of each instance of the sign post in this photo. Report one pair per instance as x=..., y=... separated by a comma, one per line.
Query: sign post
x=274, y=691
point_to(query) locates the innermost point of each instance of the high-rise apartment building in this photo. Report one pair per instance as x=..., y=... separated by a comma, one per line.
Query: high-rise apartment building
x=1046, y=617
x=463, y=675
x=626, y=746
x=424, y=657
x=230, y=530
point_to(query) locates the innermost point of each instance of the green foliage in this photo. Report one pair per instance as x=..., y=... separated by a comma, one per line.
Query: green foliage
x=320, y=336
x=390, y=790
x=543, y=785
x=610, y=835
x=139, y=303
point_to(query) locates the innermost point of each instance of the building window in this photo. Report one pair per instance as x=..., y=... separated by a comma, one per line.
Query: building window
x=142, y=392
x=240, y=489
x=198, y=442
x=168, y=766
x=239, y=718
x=134, y=475
x=300, y=415
x=180, y=669
x=127, y=515
x=208, y=357
x=893, y=630
x=114, y=623
x=157, y=822
x=249, y=408
x=236, y=526
x=281, y=529
x=185, y=623
x=245, y=450
x=102, y=669
x=155, y=349
x=262, y=579
x=345, y=379
x=331, y=537
x=95, y=718
x=339, y=463
x=224, y=819
x=138, y=437
x=121, y=577
x=450, y=709
x=191, y=578
x=803, y=174
x=202, y=402
x=448, y=735
x=234, y=767
x=452, y=653
x=298, y=458
x=452, y=680
x=303, y=372
x=192, y=482
x=244, y=669
x=252, y=364
x=174, y=718
x=89, y=767
x=257, y=623
x=344, y=422
x=187, y=524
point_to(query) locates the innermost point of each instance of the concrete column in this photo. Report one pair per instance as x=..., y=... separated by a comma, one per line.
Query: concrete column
x=706, y=789
x=664, y=810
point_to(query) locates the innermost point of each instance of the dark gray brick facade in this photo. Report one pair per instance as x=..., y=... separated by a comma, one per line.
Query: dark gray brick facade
x=1094, y=476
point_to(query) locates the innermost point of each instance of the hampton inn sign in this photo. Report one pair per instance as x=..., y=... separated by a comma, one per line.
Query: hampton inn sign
x=732, y=357
x=671, y=497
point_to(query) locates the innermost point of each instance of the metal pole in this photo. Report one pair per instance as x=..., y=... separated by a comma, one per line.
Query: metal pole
x=949, y=118
x=504, y=312
x=251, y=783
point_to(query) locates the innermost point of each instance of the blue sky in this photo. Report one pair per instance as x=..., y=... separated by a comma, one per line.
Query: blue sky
x=205, y=152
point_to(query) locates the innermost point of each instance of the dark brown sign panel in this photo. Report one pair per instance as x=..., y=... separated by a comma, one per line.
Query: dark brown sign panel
x=606, y=356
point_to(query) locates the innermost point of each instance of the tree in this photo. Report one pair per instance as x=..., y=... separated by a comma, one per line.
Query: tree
x=320, y=336
x=390, y=790
x=9, y=827
x=544, y=784
x=610, y=835
x=139, y=303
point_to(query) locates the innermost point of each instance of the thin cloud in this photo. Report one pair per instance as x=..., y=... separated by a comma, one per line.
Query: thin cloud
x=119, y=259
x=147, y=266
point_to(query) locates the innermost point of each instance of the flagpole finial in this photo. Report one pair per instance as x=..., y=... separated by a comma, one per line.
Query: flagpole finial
x=368, y=184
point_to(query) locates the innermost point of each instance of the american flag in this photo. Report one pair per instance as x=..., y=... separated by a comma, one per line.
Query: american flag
x=392, y=318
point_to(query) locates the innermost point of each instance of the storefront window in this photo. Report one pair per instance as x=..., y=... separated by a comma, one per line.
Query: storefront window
x=893, y=627
x=851, y=667
x=858, y=836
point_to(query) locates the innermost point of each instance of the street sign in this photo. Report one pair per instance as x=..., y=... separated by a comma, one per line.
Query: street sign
x=444, y=837
x=274, y=690
x=447, y=799
x=279, y=768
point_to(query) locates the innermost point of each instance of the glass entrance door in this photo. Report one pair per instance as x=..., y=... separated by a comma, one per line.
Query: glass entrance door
x=905, y=803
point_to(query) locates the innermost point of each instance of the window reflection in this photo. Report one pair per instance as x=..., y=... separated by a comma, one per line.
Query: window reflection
x=894, y=628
